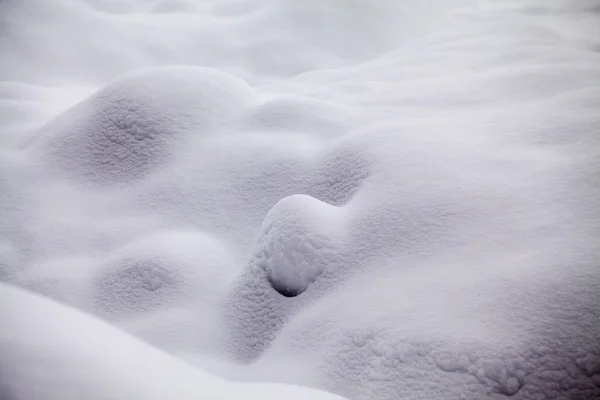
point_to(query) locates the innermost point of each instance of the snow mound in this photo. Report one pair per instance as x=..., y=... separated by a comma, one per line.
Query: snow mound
x=383, y=199
x=161, y=270
x=297, y=242
x=44, y=357
x=444, y=347
x=301, y=237
x=129, y=128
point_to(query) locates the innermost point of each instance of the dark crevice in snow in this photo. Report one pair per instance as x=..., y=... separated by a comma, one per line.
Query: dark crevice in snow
x=284, y=289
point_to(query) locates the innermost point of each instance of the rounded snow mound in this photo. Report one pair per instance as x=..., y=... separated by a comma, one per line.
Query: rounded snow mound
x=297, y=251
x=160, y=270
x=131, y=126
x=299, y=235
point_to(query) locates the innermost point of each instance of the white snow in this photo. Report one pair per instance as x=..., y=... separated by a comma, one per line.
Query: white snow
x=292, y=254
x=51, y=351
x=382, y=199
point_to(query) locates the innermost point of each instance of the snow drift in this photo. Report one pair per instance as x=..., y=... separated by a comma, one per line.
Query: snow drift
x=80, y=357
x=383, y=200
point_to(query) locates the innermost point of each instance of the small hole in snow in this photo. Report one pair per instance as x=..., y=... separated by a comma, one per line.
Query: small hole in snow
x=285, y=290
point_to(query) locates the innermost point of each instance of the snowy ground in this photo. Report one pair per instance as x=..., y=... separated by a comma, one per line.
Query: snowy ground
x=378, y=199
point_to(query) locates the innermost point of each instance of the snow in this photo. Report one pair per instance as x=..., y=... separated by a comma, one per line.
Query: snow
x=376, y=199
x=81, y=357
x=291, y=253
x=128, y=125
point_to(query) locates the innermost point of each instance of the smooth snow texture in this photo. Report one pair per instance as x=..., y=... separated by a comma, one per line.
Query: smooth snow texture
x=381, y=199
x=54, y=352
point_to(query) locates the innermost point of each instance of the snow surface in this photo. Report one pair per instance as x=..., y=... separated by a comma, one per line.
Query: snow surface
x=377, y=199
x=81, y=357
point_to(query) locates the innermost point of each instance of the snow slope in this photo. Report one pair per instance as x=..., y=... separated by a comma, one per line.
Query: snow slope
x=379, y=199
x=81, y=357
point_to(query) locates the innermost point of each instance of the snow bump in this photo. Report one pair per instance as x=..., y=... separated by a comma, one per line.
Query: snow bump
x=301, y=237
x=298, y=237
x=131, y=127
x=159, y=270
